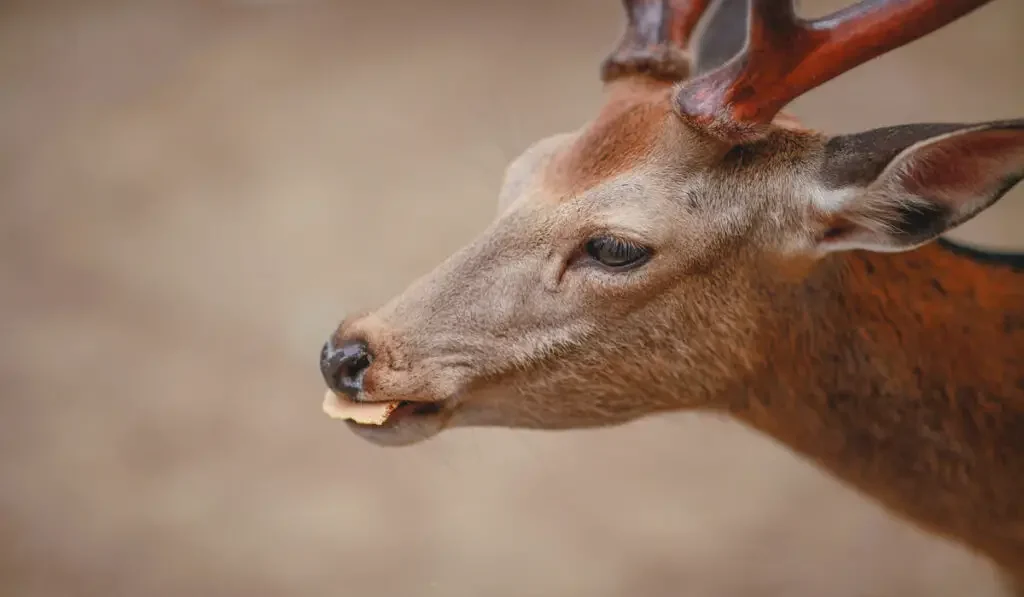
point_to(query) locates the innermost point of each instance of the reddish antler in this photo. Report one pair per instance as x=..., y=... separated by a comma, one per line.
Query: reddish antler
x=656, y=39
x=786, y=56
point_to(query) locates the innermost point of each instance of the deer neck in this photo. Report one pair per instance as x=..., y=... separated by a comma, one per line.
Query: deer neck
x=903, y=374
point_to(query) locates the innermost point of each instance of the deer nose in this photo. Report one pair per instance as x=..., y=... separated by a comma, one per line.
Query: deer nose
x=343, y=366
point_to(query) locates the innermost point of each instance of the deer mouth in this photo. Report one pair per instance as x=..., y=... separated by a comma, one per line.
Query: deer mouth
x=409, y=409
x=377, y=414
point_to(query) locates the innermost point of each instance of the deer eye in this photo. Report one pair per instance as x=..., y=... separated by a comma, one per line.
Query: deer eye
x=616, y=253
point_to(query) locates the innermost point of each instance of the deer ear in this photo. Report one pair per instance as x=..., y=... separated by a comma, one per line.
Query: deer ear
x=896, y=188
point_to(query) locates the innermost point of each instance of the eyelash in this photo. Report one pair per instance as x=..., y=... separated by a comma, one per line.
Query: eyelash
x=616, y=254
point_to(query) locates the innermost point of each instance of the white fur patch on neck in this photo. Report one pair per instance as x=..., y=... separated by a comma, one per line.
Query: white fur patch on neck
x=870, y=211
x=832, y=201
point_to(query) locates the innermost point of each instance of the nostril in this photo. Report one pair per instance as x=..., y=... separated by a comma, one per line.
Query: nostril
x=343, y=367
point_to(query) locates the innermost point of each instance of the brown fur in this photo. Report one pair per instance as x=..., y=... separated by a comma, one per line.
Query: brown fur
x=791, y=283
x=903, y=374
x=899, y=372
x=621, y=137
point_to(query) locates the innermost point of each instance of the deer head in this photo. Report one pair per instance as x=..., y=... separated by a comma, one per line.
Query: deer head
x=641, y=263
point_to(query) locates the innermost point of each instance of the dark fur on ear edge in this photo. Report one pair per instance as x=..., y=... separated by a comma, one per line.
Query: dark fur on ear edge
x=856, y=160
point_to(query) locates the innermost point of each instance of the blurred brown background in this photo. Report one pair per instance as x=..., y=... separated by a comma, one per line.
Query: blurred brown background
x=193, y=193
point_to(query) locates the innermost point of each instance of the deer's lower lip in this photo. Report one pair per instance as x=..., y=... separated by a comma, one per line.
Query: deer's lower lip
x=406, y=409
x=415, y=409
x=409, y=423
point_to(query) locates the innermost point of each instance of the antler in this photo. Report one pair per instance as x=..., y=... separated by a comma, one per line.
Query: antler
x=786, y=56
x=656, y=39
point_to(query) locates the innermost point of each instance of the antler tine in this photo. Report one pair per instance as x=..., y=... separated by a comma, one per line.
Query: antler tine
x=786, y=56
x=656, y=39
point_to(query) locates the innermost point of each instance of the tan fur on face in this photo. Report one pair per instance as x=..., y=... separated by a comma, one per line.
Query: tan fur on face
x=516, y=328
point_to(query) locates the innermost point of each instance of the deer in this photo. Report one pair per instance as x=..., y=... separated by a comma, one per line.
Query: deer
x=694, y=247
